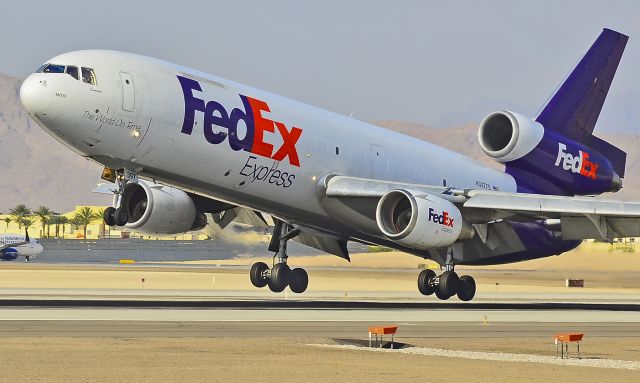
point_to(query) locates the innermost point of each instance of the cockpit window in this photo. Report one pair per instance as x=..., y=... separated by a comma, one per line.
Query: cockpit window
x=53, y=68
x=72, y=71
x=89, y=76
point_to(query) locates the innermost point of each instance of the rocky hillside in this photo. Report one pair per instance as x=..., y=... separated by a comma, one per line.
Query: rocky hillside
x=37, y=170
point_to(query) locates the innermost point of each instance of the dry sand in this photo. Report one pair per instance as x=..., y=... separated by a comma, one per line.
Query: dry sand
x=264, y=360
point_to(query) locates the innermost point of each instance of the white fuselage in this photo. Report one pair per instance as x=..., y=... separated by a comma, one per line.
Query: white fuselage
x=14, y=243
x=135, y=114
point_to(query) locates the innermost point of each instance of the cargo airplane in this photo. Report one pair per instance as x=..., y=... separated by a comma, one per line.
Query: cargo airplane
x=179, y=143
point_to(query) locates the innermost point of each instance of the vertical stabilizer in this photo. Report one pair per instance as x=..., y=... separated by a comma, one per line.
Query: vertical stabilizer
x=574, y=109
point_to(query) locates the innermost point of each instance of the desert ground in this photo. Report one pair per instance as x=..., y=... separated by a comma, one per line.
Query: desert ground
x=274, y=360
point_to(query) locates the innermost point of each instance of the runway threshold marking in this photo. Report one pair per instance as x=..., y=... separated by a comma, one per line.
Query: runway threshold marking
x=494, y=356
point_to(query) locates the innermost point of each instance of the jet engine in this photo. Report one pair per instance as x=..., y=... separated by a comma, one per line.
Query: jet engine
x=160, y=209
x=420, y=221
x=507, y=136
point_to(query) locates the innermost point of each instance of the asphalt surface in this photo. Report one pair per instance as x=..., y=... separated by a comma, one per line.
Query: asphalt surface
x=110, y=251
x=268, y=304
x=330, y=329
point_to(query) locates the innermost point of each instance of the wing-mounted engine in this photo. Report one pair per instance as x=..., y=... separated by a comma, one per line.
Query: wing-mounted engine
x=160, y=209
x=420, y=221
x=545, y=161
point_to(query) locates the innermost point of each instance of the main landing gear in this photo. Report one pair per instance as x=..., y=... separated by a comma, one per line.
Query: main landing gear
x=447, y=284
x=280, y=275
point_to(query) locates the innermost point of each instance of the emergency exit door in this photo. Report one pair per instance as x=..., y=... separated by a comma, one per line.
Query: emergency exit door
x=128, y=92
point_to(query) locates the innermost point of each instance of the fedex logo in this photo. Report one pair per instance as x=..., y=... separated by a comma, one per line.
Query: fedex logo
x=442, y=219
x=256, y=125
x=576, y=164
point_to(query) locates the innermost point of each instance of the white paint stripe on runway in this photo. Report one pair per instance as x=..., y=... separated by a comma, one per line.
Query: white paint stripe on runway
x=495, y=356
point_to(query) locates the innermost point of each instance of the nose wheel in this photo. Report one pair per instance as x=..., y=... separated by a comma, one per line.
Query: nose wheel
x=280, y=275
x=117, y=216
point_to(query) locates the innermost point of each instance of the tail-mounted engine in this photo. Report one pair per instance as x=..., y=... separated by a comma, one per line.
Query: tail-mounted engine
x=160, y=209
x=420, y=221
x=544, y=161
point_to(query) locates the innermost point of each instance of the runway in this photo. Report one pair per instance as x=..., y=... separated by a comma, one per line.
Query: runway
x=334, y=319
x=274, y=304
x=320, y=329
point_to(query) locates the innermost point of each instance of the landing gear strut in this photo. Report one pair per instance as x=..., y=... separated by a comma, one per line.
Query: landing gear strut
x=447, y=284
x=280, y=275
x=117, y=216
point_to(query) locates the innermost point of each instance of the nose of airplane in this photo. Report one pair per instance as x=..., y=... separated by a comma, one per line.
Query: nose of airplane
x=34, y=95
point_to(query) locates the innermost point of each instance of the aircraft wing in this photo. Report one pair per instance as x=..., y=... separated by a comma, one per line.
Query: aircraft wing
x=578, y=217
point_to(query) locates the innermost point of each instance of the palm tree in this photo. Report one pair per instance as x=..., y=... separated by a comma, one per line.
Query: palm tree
x=7, y=220
x=75, y=221
x=27, y=222
x=100, y=214
x=20, y=213
x=43, y=213
x=60, y=220
x=84, y=217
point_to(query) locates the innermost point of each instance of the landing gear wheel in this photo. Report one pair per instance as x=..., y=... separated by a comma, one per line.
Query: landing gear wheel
x=121, y=217
x=279, y=277
x=298, y=280
x=256, y=274
x=440, y=295
x=109, y=216
x=424, y=282
x=449, y=283
x=466, y=288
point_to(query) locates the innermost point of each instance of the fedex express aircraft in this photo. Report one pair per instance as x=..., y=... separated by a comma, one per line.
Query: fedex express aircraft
x=179, y=143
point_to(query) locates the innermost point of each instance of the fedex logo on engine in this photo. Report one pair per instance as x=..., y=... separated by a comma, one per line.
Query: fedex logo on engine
x=576, y=164
x=442, y=219
x=256, y=125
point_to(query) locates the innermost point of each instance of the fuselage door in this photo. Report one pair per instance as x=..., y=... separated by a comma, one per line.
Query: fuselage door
x=128, y=92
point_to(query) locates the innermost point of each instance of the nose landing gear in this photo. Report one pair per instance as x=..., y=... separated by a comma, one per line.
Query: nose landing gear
x=118, y=216
x=280, y=275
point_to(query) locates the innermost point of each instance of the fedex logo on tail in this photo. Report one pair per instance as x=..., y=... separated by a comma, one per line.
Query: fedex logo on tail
x=576, y=163
x=442, y=219
x=256, y=125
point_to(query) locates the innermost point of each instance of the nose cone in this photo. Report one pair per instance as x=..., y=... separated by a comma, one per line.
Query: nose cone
x=35, y=96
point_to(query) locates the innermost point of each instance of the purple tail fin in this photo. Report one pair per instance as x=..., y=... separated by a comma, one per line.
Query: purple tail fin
x=574, y=109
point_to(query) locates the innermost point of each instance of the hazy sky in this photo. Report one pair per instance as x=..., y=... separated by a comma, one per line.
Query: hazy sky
x=438, y=63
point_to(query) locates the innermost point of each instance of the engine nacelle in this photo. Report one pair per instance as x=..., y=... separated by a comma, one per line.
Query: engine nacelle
x=507, y=136
x=160, y=209
x=420, y=221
